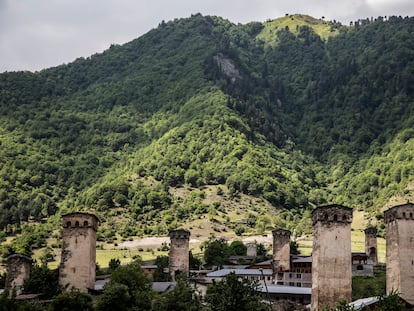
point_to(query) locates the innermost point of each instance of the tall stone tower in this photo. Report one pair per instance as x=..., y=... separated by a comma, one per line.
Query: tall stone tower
x=281, y=250
x=371, y=244
x=179, y=258
x=399, y=221
x=78, y=263
x=331, y=256
x=18, y=270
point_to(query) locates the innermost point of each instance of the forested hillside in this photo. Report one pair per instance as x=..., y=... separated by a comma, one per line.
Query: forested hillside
x=297, y=111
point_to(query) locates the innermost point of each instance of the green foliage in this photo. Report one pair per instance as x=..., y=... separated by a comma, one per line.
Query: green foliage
x=72, y=301
x=162, y=263
x=391, y=302
x=313, y=112
x=113, y=264
x=182, y=298
x=363, y=287
x=8, y=303
x=216, y=251
x=43, y=280
x=129, y=288
x=234, y=294
x=238, y=248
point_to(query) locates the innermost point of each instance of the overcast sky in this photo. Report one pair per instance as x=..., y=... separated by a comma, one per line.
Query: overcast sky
x=37, y=34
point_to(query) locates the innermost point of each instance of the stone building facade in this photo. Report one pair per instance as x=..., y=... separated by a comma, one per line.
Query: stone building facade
x=399, y=221
x=331, y=258
x=251, y=250
x=18, y=270
x=78, y=261
x=281, y=250
x=179, y=257
x=371, y=248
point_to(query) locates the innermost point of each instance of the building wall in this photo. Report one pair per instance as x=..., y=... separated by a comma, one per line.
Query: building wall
x=371, y=248
x=78, y=261
x=399, y=222
x=179, y=259
x=281, y=250
x=331, y=259
x=18, y=270
x=294, y=279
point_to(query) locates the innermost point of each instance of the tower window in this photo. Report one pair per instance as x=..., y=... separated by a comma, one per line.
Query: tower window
x=85, y=223
x=77, y=224
x=68, y=224
x=335, y=217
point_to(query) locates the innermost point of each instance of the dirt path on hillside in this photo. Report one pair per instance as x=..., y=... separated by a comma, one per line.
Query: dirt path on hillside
x=157, y=241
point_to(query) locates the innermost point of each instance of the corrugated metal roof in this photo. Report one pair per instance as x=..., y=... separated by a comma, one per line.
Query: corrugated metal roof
x=363, y=302
x=281, y=289
x=247, y=272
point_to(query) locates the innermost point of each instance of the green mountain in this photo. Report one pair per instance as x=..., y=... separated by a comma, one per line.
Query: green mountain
x=296, y=111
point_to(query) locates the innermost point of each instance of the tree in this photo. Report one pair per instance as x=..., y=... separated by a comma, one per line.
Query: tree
x=234, y=294
x=43, y=280
x=182, y=298
x=72, y=301
x=115, y=297
x=216, y=252
x=113, y=264
x=129, y=287
x=159, y=275
x=238, y=248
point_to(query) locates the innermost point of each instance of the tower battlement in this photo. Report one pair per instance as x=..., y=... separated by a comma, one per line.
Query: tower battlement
x=333, y=213
x=179, y=234
x=399, y=212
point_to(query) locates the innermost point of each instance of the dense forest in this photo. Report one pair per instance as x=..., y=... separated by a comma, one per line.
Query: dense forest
x=297, y=111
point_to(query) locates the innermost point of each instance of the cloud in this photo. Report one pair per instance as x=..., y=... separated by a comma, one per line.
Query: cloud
x=38, y=34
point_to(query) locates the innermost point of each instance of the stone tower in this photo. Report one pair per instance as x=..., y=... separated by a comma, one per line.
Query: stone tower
x=251, y=249
x=18, y=270
x=179, y=258
x=78, y=263
x=399, y=221
x=371, y=244
x=281, y=250
x=331, y=256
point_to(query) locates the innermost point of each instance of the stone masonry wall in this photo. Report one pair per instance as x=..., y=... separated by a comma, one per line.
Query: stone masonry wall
x=179, y=259
x=331, y=263
x=399, y=222
x=78, y=261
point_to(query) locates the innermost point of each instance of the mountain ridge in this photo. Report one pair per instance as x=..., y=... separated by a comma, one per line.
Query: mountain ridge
x=201, y=101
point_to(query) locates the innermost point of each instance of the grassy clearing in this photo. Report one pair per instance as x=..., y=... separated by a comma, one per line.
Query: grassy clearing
x=323, y=28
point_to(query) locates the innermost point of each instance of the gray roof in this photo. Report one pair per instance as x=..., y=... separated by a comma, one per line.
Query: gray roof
x=156, y=286
x=162, y=287
x=99, y=284
x=281, y=289
x=250, y=272
x=363, y=302
x=303, y=259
